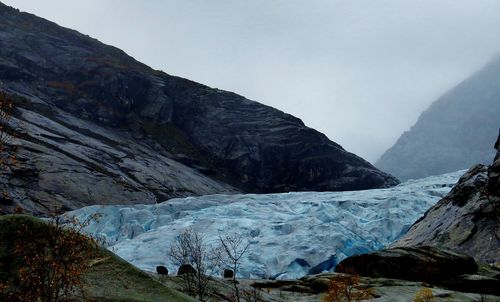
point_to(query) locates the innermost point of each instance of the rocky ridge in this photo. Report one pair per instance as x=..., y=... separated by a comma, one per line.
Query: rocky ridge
x=98, y=127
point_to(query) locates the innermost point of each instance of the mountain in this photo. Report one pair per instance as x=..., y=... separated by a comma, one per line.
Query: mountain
x=96, y=126
x=467, y=219
x=291, y=234
x=453, y=133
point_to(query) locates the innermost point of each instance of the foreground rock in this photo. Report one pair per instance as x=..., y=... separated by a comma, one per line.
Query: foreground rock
x=414, y=264
x=467, y=219
x=313, y=288
x=102, y=128
x=426, y=264
x=454, y=133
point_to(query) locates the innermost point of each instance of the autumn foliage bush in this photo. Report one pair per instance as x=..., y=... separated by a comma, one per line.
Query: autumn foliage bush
x=424, y=295
x=346, y=288
x=49, y=261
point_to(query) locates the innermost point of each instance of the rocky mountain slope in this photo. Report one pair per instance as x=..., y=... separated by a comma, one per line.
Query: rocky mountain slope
x=291, y=234
x=467, y=219
x=454, y=133
x=98, y=127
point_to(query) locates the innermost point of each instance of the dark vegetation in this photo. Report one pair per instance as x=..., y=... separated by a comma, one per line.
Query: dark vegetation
x=33, y=253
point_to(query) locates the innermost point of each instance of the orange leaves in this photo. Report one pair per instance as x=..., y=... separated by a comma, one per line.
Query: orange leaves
x=424, y=295
x=346, y=287
x=53, y=260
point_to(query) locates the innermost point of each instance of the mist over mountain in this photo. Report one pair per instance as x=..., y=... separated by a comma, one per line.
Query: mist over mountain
x=454, y=133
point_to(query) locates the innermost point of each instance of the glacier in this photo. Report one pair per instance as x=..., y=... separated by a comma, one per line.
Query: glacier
x=289, y=233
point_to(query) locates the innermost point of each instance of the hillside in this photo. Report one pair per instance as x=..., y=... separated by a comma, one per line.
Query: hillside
x=110, y=278
x=454, y=133
x=98, y=127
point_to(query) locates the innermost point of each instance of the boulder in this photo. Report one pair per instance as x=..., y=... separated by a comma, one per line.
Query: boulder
x=228, y=273
x=186, y=269
x=427, y=264
x=161, y=270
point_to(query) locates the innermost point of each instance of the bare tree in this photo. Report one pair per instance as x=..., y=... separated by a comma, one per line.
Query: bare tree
x=190, y=247
x=180, y=252
x=234, y=247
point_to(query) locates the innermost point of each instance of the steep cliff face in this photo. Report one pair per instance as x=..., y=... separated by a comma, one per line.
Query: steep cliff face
x=454, y=133
x=467, y=219
x=96, y=126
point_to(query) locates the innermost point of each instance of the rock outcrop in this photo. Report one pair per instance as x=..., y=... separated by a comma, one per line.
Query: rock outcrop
x=99, y=127
x=432, y=265
x=454, y=133
x=467, y=219
x=410, y=263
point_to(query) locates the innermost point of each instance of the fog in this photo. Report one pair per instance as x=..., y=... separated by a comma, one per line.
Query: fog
x=359, y=71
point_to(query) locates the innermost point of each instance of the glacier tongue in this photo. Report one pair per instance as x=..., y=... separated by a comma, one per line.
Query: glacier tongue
x=288, y=232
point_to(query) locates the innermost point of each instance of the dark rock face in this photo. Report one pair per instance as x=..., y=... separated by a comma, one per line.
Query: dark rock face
x=466, y=220
x=494, y=171
x=186, y=269
x=161, y=270
x=432, y=265
x=91, y=110
x=454, y=133
x=414, y=264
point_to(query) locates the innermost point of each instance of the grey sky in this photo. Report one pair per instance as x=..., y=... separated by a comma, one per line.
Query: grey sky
x=359, y=71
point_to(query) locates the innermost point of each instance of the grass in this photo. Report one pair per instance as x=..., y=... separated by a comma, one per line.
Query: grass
x=110, y=278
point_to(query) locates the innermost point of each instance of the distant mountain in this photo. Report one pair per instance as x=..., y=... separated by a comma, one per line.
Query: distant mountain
x=454, y=133
x=467, y=219
x=98, y=127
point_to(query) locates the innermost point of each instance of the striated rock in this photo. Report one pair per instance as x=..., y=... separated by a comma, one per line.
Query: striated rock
x=467, y=219
x=67, y=163
x=454, y=133
x=101, y=128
